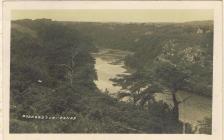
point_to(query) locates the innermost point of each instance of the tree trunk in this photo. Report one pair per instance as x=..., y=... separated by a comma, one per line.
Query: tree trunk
x=176, y=106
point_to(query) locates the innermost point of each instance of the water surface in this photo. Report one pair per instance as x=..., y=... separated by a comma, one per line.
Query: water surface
x=192, y=110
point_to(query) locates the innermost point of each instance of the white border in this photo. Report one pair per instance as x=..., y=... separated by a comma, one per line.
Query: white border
x=217, y=69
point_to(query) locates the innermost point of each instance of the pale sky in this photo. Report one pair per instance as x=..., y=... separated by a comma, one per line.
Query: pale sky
x=116, y=15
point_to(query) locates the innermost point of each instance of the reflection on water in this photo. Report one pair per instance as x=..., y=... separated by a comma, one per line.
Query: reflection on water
x=194, y=109
x=106, y=71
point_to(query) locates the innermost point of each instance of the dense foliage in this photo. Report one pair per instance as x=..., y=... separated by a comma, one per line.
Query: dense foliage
x=167, y=58
x=184, y=48
x=52, y=73
x=172, y=58
x=190, y=42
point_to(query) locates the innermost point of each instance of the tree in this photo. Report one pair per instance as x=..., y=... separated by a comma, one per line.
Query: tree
x=50, y=65
x=169, y=72
x=136, y=86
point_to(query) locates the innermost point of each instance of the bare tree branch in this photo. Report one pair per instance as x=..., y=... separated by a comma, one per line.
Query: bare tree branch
x=184, y=100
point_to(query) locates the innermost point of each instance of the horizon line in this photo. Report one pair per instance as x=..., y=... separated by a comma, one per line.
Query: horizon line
x=122, y=22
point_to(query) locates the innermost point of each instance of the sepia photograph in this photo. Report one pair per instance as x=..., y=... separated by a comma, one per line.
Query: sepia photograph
x=105, y=71
x=112, y=71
